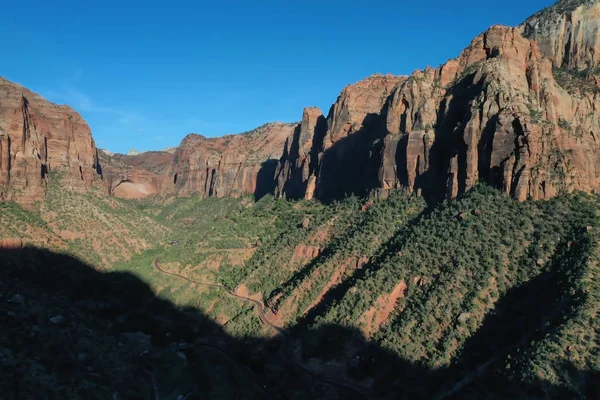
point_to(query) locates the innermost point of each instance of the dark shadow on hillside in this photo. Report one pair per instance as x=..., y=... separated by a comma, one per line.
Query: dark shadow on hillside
x=524, y=316
x=69, y=331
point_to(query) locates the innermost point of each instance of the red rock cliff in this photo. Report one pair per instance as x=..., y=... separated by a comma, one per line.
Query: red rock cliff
x=230, y=166
x=520, y=115
x=38, y=137
x=296, y=171
x=518, y=109
x=138, y=176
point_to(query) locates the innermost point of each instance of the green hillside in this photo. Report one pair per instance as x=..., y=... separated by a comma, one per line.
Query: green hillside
x=482, y=294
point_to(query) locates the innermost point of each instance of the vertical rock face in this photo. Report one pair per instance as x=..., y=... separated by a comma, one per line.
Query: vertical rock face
x=501, y=113
x=502, y=119
x=37, y=137
x=351, y=155
x=297, y=167
x=329, y=158
x=230, y=166
x=357, y=106
x=568, y=33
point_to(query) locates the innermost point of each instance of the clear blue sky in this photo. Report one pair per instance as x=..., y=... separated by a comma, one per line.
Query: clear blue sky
x=146, y=73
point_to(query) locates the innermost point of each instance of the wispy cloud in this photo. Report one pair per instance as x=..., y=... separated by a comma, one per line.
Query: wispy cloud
x=79, y=100
x=113, y=124
x=82, y=102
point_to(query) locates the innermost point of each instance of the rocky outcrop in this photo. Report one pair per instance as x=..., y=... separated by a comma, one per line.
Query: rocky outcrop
x=11, y=243
x=332, y=157
x=350, y=155
x=517, y=109
x=498, y=113
x=568, y=33
x=37, y=138
x=158, y=162
x=137, y=176
x=503, y=120
x=305, y=253
x=229, y=166
x=296, y=171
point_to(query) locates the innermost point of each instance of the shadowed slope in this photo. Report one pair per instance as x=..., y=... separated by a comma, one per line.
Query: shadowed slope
x=73, y=332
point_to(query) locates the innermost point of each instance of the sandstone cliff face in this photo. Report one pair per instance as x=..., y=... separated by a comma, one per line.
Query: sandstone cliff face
x=350, y=155
x=332, y=157
x=230, y=166
x=138, y=176
x=503, y=120
x=38, y=137
x=499, y=113
x=568, y=33
x=297, y=167
x=518, y=109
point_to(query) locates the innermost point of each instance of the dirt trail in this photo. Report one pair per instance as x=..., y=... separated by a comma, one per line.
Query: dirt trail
x=285, y=350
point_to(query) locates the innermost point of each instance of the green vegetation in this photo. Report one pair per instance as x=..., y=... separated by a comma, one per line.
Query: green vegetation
x=12, y=215
x=460, y=261
x=469, y=263
x=576, y=82
x=535, y=115
x=482, y=283
x=99, y=230
x=563, y=123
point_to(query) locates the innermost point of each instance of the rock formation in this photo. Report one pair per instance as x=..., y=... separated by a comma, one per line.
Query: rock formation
x=296, y=171
x=518, y=109
x=567, y=33
x=230, y=166
x=38, y=137
x=500, y=113
x=137, y=176
x=11, y=243
x=329, y=158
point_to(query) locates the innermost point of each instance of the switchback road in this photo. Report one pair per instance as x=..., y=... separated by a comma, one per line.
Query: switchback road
x=286, y=349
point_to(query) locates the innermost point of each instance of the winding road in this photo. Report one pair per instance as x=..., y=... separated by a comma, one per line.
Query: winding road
x=285, y=350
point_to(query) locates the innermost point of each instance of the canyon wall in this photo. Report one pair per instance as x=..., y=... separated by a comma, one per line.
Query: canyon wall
x=230, y=166
x=136, y=176
x=519, y=115
x=567, y=33
x=38, y=138
x=517, y=109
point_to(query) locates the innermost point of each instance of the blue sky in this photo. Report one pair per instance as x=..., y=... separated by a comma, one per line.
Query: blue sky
x=146, y=73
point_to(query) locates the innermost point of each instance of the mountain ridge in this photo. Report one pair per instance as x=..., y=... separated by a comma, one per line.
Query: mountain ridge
x=429, y=237
x=515, y=109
